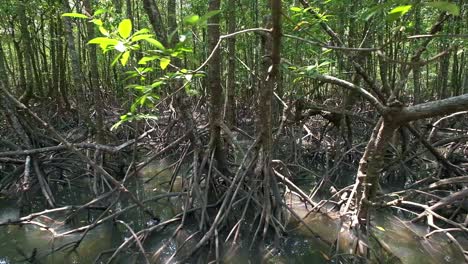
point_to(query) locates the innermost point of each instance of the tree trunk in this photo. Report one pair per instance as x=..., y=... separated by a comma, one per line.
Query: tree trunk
x=53, y=87
x=61, y=62
x=95, y=88
x=26, y=42
x=215, y=89
x=94, y=81
x=230, y=103
x=417, y=68
x=75, y=63
x=271, y=45
x=181, y=100
x=393, y=117
x=156, y=20
x=370, y=165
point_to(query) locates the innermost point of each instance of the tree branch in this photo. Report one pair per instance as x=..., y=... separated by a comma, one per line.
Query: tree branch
x=435, y=108
x=348, y=85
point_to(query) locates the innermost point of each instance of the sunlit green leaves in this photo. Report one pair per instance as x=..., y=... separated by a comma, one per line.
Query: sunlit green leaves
x=97, y=22
x=191, y=20
x=155, y=43
x=164, y=62
x=157, y=84
x=448, y=7
x=147, y=59
x=99, y=12
x=130, y=117
x=196, y=20
x=398, y=12
x=125, y=28
x=141, y=37
x=74, y=15
x=124, y=58
x=304, y=20
x=296, y=9
x=401, y=10
x=142, y=31
x=122, y=40
x=104, y=42
x=104, y=31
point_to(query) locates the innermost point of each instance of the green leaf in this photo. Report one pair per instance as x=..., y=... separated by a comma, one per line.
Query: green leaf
x=401, y=9
x=103, y=42
x=142, y=31
x=147, y=59
x=164, y=62
x=450, y=8
x=104, y=31
x=295, y=9
x=124, y=117
x=143, y=100
x=139, y=88
x=398, y=12
x=142, y=36
x=191, y=20
x=75, y=15
x=99, y=11
x=208, y=15
x=157, y=84
x=100, y=40
x=124, y=58
x=155, y=43
x=125, y=28
x=116, y=59
x=134, y=106
x=97, y=22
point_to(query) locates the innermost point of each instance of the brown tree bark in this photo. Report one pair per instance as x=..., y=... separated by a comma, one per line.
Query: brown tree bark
x=53, y=87
x=28, y=61
x=97, y=99
x=155, y=18
x=62, y=69
x=392, y=117
x=230, y=103
x=271, y=45
x=94, y=80
x=215, y=89
x=75, y=63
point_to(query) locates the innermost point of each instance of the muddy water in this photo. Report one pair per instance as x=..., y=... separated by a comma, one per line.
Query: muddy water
x=392, y=239
x=28, y=243
x=31, y=244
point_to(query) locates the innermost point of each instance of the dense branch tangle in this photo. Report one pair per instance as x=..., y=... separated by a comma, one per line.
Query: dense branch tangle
x=222, y=193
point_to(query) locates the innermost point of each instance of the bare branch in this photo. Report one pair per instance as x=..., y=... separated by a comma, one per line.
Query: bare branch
x=434, y=108
x=348, y=85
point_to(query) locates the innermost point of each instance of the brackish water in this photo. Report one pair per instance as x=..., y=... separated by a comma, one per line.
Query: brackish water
x=32, y=244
